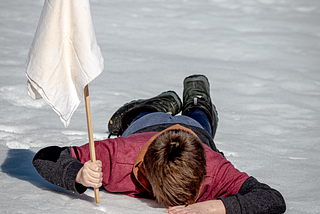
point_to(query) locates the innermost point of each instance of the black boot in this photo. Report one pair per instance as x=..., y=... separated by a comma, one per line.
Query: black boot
x=196, y=94
x=168, y=102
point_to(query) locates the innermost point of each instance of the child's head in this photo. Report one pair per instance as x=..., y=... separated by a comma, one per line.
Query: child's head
x=175, y=165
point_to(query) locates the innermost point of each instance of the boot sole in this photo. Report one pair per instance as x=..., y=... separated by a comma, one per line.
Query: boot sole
x=175, y=96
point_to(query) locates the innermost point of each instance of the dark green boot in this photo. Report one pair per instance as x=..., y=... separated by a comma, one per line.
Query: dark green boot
x=168, y=102
x=196, y=94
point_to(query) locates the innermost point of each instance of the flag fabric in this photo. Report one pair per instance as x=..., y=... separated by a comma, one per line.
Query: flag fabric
x=64, y=56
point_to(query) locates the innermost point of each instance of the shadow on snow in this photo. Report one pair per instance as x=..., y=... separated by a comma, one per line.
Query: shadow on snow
x=18, y=164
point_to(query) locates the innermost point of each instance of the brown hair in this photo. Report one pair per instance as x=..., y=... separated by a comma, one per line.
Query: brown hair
x=175, y=165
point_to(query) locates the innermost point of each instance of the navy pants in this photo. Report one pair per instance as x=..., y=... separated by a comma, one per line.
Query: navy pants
x=145, y=119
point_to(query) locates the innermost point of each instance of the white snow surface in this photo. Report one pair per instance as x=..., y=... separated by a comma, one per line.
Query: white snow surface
x=262, y=60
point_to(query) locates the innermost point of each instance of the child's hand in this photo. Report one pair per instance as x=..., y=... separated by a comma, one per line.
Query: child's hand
x=90, y=174
x=206, y=207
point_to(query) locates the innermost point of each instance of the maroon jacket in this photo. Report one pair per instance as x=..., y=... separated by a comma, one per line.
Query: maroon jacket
x=118, y=157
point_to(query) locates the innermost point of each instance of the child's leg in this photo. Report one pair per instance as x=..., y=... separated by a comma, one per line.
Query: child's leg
x=202, y=118
x=165, y=102
x=199, y=116
x=197, y=102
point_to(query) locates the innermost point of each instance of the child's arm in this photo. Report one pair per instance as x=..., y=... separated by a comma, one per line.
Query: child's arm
x=253, y=197
x=57, y=166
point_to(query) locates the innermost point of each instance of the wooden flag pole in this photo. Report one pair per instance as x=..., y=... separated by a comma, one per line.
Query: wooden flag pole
x=90, y=134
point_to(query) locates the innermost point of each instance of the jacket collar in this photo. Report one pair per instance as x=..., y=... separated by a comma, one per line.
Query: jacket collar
x=138, y=169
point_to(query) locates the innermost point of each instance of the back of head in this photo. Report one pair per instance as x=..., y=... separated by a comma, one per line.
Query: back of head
x=175, y=165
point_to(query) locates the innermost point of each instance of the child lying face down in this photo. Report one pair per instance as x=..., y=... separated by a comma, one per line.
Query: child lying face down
x=165, y=156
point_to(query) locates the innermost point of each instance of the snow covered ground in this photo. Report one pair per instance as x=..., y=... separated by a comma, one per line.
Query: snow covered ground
x=262, y=59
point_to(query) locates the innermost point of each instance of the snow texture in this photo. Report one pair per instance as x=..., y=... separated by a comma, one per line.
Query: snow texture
x=262, y=59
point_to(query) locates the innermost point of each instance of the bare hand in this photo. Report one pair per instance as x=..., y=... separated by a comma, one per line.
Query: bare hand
x=90, y=174
x=206, y=207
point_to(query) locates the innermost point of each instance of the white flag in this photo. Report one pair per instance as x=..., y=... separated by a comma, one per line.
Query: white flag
x=64, y=56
